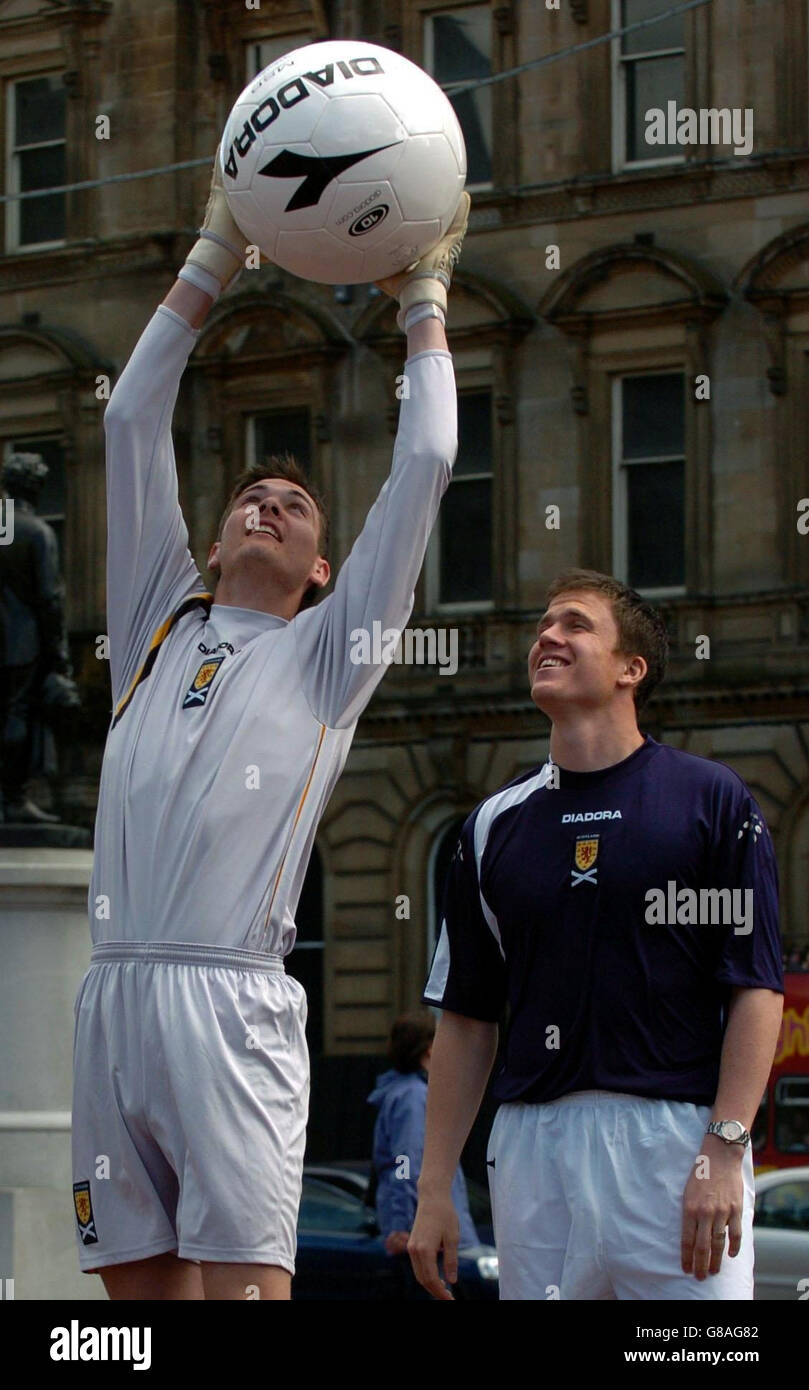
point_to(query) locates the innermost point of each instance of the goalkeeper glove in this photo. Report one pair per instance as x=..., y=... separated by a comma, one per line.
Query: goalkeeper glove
x=428, y=280
x=216, y=260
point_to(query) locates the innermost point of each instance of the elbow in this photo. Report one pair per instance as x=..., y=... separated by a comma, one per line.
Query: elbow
x=117, y=416
x=438, y=457
x=121, y=411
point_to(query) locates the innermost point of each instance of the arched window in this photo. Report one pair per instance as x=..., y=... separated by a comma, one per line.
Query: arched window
x=776, y=283
x=260, y=382
x=488, y=322
x=636, y=318
x=305, y=963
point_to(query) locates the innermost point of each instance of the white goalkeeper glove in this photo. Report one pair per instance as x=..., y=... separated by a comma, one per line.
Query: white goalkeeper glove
x=428, y=280
x=216, y=260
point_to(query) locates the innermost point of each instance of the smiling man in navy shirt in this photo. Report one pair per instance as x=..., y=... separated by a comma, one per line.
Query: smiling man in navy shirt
x=621, y=903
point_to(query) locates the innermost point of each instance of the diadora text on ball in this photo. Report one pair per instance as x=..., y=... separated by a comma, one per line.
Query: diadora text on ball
x=289, y=94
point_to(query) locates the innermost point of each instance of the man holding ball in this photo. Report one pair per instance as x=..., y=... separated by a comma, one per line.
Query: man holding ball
x=621, y=900
x=233, y=717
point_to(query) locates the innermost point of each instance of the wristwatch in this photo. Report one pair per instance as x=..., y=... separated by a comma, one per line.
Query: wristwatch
x=732, y=1131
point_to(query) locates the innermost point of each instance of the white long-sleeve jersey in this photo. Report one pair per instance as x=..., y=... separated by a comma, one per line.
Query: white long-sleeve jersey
x=231, y=726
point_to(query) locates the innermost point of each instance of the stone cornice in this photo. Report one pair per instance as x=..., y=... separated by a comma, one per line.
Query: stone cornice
x=92, y=259
x=56, y=13
x=602, y=194
x=672, y=707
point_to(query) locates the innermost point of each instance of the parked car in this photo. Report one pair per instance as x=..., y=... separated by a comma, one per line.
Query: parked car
x=341, y=1254
x=781, y=1234
x=355, y=1176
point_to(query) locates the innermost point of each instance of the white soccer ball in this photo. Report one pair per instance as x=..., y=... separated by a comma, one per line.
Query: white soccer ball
x=343, y=162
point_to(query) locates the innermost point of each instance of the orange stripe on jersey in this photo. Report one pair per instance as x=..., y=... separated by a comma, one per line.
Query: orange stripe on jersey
x=204, y=600
x=304, y=795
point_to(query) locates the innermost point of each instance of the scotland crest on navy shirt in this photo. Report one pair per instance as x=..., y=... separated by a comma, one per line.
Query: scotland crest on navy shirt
x=197, y=694
x=584, y=859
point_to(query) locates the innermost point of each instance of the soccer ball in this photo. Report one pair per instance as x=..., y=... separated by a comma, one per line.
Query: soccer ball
x=343, y=162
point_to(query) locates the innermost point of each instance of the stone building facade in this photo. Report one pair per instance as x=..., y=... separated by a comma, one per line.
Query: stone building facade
x=630, y=326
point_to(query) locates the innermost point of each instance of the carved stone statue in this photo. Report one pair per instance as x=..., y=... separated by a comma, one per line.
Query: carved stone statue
x=36, y=685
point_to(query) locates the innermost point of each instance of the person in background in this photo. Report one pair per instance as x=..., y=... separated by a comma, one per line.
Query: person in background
x=400, y=1095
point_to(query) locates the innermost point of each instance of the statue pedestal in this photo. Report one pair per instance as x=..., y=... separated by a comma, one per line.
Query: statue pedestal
x=45, y=951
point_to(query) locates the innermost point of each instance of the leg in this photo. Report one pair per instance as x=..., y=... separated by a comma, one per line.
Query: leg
x=160, y=1277
x=543, y=1179
x=230, y=1281
x=241, y=1189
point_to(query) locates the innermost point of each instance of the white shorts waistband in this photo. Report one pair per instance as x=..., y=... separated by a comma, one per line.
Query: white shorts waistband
x=596, y=1097
x=185, y=953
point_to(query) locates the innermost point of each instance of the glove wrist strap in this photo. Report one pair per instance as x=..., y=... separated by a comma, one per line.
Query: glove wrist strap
x=408, y=318
x=202, y=279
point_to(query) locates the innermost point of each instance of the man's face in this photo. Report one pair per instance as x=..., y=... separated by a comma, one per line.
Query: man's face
x=274, y=528
x=574, y=660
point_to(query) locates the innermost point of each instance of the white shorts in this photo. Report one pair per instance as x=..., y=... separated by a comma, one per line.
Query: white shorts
x=190, y=1101
x=587, y=1196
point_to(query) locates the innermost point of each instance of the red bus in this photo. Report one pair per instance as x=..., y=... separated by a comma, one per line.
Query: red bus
x=781, y=1130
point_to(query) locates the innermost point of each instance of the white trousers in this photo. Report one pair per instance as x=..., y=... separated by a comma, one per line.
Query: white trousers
x=587, y=1195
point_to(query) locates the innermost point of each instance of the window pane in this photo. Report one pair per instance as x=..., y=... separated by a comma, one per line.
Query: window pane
x=42, y=219
x=466, y=542
x=474, y=112
x=792, y=1115
x=474, y=433
x=260, y=55
x=462, y=44
x=462, y=52
x=758, y=1134
x=656, y=524
x=324, y=1208
x=40, y=110
x=651, y=82
x=284, y=430
x=654, y=416
x=667, y=33
x=785, y=1207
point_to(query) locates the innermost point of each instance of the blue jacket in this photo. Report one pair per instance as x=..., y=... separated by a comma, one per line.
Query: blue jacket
x=401, y=1098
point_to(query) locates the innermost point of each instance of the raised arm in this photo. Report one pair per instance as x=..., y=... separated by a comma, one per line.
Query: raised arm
x=374, y=589
x=149, y=567
x=150, y=570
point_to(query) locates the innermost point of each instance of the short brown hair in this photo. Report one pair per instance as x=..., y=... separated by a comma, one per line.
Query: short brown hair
x=281, y=466
x=641, y=630
x=410, y=1037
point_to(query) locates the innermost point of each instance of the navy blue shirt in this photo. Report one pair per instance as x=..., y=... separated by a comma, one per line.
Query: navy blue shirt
x=612, y=913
